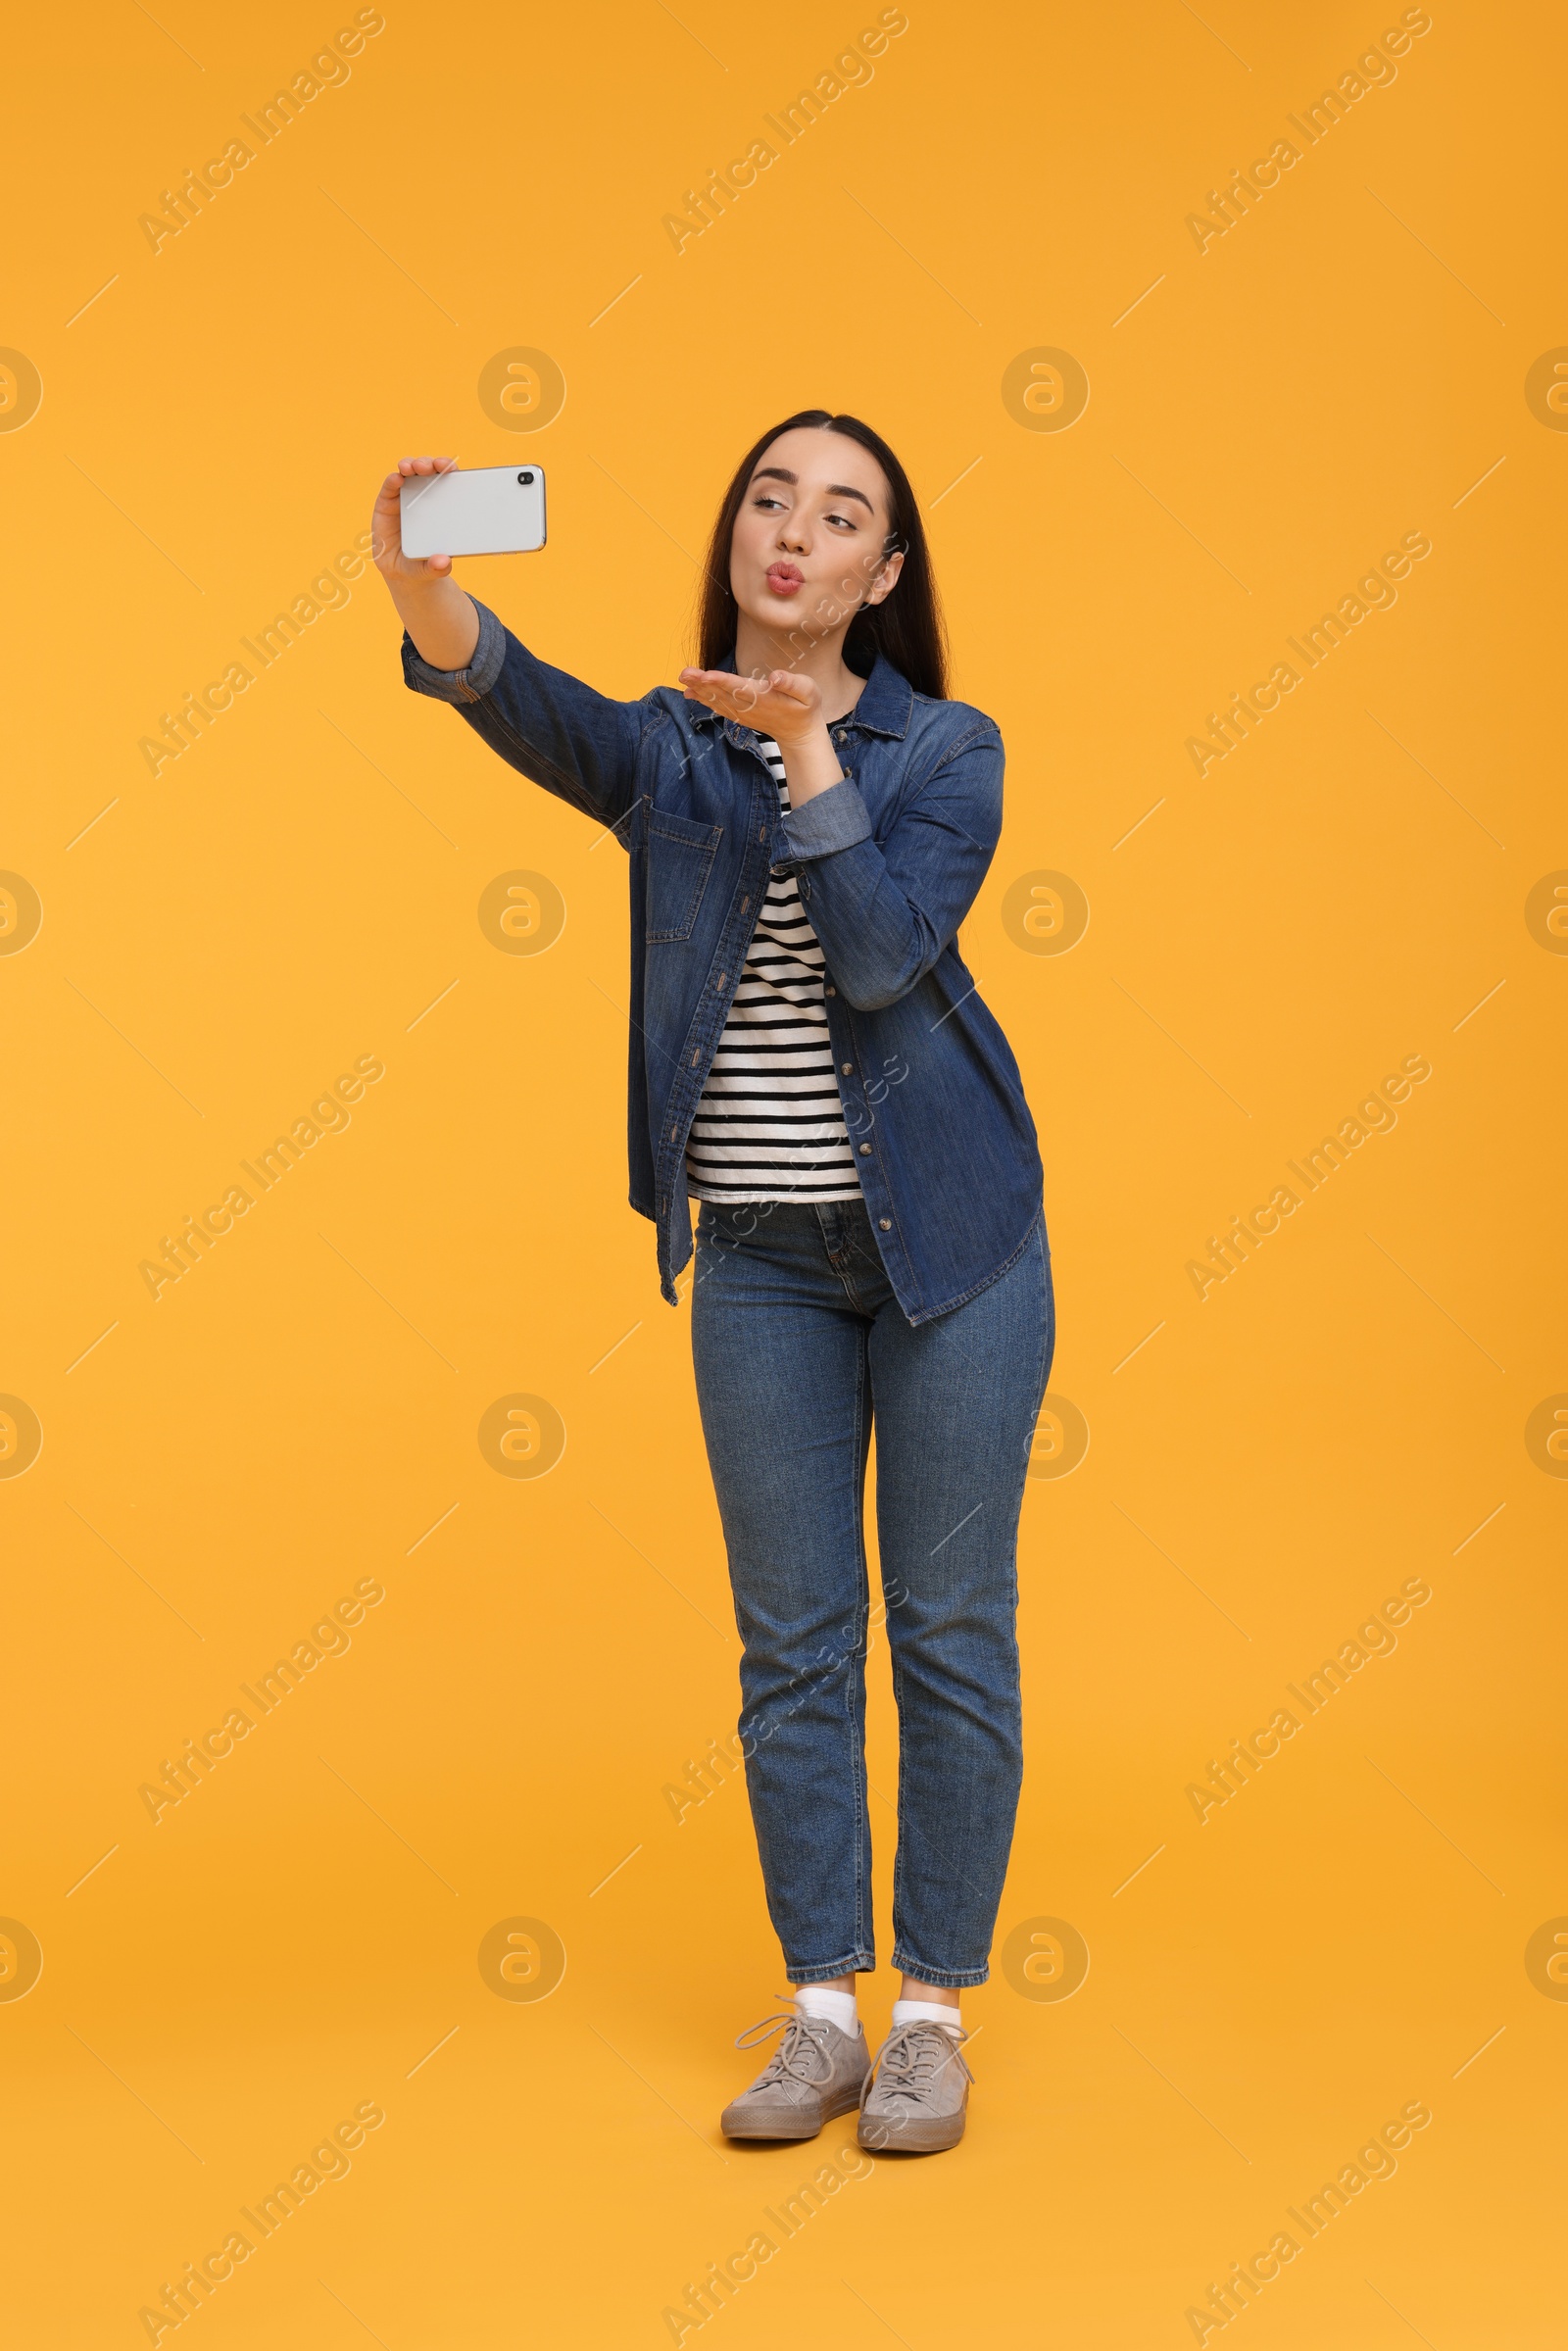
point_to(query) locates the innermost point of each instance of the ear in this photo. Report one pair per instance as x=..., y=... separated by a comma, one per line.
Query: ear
x=887, y=580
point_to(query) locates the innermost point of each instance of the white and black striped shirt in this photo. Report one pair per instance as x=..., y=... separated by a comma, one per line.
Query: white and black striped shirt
x=770, y=1125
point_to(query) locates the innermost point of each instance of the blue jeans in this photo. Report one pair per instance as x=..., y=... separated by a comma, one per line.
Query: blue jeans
x=799, y=1342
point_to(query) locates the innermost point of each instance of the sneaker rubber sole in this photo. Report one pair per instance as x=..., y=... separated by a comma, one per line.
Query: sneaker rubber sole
x=910, y=2136
x=756, y=2126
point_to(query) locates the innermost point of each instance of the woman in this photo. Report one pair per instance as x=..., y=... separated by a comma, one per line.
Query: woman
x=808, y=823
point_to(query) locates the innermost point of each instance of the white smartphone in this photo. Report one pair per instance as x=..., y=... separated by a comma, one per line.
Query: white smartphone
x=496, y=510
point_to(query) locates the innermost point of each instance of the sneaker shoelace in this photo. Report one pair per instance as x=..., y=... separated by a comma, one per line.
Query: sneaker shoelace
x=799, y=2056
x=912, y=2059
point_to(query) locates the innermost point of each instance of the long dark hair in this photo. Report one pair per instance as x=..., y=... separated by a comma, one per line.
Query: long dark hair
x=906, y=625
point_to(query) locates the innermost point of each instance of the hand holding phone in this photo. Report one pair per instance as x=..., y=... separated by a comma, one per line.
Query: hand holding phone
x=496, y=509
x=441, y=619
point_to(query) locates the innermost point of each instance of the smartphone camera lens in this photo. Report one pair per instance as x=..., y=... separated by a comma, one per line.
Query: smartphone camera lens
x=526, y=481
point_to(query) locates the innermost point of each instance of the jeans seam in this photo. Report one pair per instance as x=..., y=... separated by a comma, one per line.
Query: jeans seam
x=1045, y=1365
x=897, y=1676
x=951, y=1979
x=827, y=1970
x=851, y=1254
x=855, y=1678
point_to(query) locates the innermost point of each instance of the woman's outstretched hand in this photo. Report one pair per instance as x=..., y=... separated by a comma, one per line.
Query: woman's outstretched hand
x=783, y=705
x=440, y=618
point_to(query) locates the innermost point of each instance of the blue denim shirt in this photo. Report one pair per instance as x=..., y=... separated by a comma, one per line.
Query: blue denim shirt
x=889, y=860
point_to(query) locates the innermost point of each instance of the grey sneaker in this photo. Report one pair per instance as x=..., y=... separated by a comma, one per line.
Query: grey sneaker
x=914, y=2098
x=815, y=2073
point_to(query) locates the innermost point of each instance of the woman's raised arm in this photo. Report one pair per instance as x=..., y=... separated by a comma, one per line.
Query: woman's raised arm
x=576, y=742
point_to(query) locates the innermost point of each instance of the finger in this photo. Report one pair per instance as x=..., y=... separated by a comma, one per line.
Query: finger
x=440, y=565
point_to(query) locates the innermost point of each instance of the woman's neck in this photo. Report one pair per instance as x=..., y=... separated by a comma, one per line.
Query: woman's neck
x=758, y=650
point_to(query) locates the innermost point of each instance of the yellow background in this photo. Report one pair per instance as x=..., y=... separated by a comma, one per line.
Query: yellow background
x=293, y=893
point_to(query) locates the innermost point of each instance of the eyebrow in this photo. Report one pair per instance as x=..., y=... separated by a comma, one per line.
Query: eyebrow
x=835, y=489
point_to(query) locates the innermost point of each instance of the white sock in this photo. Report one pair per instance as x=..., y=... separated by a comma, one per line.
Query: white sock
x=832, y=2007
x=925, y=2012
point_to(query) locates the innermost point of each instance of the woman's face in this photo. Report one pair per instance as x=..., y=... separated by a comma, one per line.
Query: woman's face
x=806, y=551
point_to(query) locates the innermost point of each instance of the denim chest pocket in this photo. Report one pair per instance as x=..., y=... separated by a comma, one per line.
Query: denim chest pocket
x=680, y=859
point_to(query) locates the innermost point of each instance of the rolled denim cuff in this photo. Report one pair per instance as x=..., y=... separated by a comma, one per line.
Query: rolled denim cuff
x=834, y=819
x=459, y=685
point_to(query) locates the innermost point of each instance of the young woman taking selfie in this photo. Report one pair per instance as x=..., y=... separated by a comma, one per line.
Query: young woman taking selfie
x=808, y=818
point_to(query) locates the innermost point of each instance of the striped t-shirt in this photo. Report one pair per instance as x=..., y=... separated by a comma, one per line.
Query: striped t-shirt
x=770, y=1125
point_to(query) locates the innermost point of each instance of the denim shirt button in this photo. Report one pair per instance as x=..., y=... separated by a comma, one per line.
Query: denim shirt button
x=885, y=1223
x=830, y=991
x=866, y=1151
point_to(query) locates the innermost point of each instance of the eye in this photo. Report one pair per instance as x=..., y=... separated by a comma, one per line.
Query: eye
x=848, y=521
x=766, y=498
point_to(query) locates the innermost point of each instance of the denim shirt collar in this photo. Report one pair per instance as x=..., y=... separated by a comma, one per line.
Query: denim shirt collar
x=887, y=700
